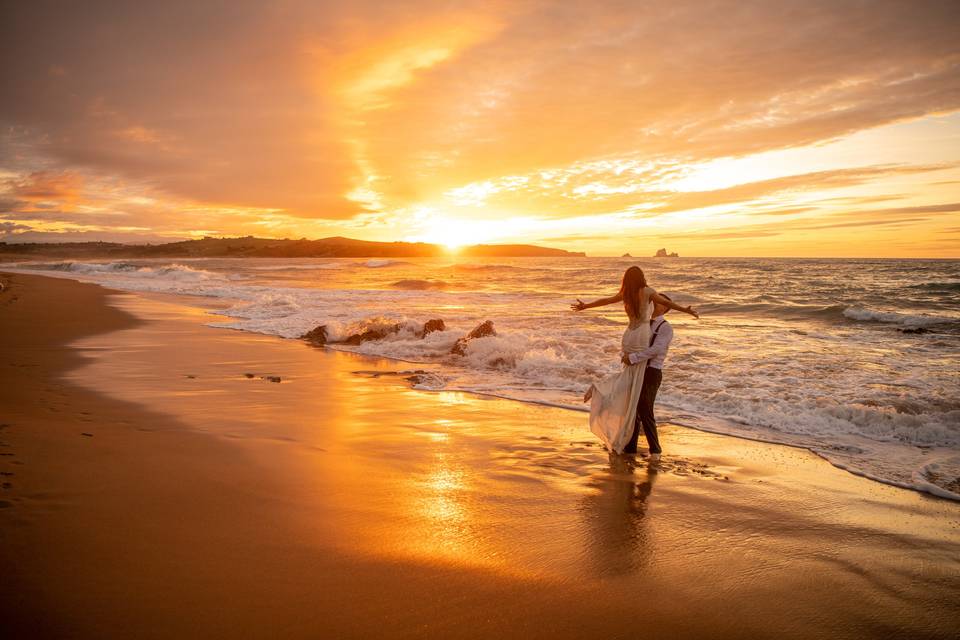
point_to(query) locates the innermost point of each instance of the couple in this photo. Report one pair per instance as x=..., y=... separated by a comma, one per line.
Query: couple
x=622, y=404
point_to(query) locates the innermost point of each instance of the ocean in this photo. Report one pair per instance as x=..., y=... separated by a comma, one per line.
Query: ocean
x=856, y=360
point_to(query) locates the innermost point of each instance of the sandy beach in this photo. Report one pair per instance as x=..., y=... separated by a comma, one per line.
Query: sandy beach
x=158, y=483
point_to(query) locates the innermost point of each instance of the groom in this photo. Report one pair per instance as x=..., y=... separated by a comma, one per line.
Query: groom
x=661, y=333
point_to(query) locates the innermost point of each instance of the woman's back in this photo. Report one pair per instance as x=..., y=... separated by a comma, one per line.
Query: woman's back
x=642, y=304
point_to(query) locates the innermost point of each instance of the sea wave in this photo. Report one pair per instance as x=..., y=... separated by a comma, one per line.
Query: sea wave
x=269, y=306
x=172, y=271
x=379, y=263
x=420, y=285
x=469, y=266
x=835, y=313
x=775, y=309
x=298, y=267
x=862, y=314
x=951, y=286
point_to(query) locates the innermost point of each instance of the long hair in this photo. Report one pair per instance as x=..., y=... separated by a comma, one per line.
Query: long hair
x=633, y=283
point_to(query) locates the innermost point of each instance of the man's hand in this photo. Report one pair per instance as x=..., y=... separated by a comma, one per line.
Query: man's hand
x=626, y=359
x=579, y=305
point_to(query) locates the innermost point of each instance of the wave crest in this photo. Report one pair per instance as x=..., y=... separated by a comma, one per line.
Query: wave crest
x=172, y=271
x=420, y=285
x=862, y=314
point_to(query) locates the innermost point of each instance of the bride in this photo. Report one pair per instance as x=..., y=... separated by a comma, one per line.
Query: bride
x=613, y=400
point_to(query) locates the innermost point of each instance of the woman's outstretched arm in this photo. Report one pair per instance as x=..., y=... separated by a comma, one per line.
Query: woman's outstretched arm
x=580, y=305
x=667, y=302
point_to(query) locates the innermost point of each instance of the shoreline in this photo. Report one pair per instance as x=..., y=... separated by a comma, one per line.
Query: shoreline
x=331, y=503
x=917, y=484
x=881, y=434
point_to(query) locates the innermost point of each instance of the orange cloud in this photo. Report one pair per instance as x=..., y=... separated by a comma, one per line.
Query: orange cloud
x=301, y=117
x=39, y=186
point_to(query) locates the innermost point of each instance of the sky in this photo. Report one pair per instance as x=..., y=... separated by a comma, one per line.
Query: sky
x=710, y=128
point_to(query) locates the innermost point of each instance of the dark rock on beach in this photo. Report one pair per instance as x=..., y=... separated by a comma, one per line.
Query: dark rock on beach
x=436, y=324
x=482, y=330
x=317, y=335
x=373, y=334
x=915, y=330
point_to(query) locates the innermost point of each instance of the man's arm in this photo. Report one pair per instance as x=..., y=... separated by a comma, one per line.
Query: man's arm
x=667, y=302
x=658, y=348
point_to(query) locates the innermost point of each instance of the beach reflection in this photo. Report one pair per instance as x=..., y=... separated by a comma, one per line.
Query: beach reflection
x=441, y=495
x=618, y=541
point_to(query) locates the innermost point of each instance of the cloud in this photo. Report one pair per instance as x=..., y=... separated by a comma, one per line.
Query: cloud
x=328, y=110
x=576, y=81
x=89, y=236
x=889, y=217
x=639, y=189
x=7, y=228
x=735, y=234
x=951, y=207
x=814, y=181
x=44, y=185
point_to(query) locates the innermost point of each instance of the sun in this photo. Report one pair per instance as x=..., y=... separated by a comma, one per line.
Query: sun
x=451, y=233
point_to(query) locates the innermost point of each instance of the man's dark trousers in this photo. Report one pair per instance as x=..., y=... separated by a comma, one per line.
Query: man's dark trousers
x=645, y=418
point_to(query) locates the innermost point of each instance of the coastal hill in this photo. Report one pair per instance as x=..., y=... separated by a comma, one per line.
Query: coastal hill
x=250, y=247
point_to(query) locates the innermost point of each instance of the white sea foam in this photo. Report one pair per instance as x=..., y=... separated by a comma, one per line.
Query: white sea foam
x=298, y=267
x=173, y=271
x=381, y=262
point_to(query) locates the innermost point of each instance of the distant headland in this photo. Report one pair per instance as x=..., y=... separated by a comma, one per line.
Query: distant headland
x=250, y=247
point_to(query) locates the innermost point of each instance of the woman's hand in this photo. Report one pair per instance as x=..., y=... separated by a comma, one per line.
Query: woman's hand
x=692, y=312
x=579, y=305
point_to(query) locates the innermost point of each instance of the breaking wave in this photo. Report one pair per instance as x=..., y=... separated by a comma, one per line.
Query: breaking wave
x=173, y=271
x=892, y=317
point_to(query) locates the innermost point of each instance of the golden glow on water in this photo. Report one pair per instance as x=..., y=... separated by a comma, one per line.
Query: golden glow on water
x=441, y=503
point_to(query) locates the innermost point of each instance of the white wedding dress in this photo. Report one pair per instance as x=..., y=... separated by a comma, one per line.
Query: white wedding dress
x=613, y=404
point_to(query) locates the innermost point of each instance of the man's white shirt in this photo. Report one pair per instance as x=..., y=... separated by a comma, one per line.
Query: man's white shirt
x=657, y=351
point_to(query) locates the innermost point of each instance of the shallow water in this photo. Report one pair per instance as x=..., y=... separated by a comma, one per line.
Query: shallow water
x=822, y=354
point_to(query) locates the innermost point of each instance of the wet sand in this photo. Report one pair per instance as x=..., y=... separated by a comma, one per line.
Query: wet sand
x=153, y=489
